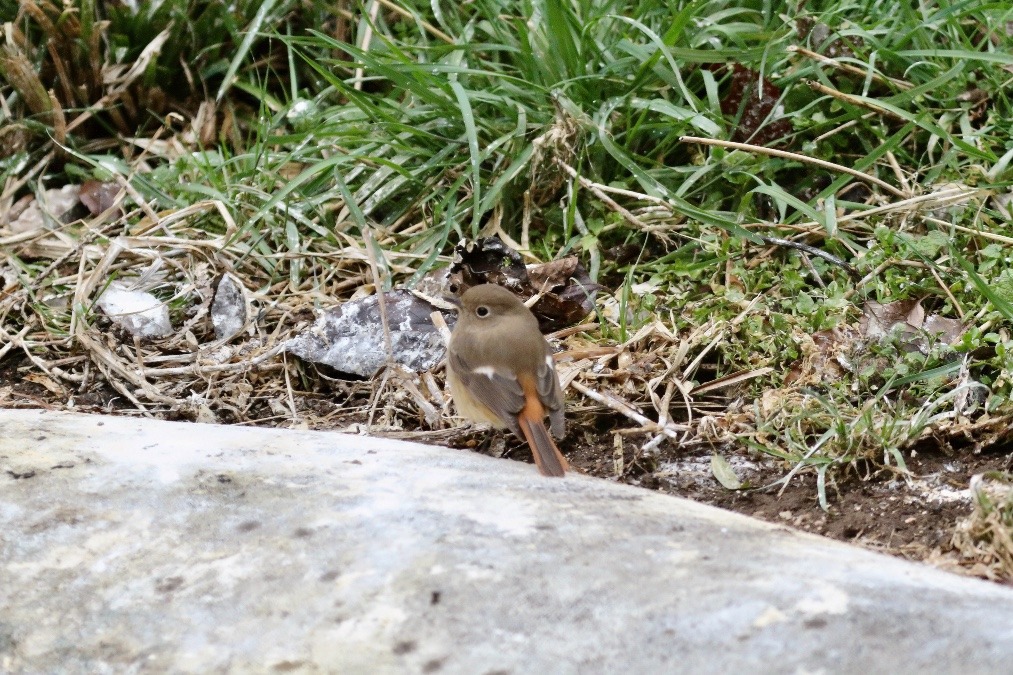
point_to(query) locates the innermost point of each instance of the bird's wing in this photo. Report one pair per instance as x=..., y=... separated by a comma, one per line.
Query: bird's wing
x=551, y=395
x=496, y=389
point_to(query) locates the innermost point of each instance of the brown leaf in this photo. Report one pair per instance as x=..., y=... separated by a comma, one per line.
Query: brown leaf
x=753, y=99
x=566, y=288
x=945, y=329
x=917, y=331
x=204, y=124
x=488, y=261
x=554, y=274
x=99, y=197
x=567, y=292
x=979, y=100
x=879, y=319
x=14, y=138
x=974, y=95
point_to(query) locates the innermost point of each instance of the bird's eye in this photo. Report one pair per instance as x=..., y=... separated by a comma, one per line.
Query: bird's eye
x=454, y=288
x=482, y=311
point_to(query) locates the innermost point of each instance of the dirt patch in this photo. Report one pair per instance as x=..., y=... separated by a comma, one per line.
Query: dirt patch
x=912, y=516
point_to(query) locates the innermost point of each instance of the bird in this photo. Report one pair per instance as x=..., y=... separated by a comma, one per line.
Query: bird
x=501, y=372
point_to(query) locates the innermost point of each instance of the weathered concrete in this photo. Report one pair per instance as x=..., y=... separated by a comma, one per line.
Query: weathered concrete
x=139, y=546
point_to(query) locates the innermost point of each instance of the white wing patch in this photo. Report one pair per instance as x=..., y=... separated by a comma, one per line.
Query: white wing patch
x=488, y=371
x=550, y=362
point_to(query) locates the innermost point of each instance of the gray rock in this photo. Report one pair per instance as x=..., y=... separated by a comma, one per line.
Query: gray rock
x=350, y=337
x=131, y=545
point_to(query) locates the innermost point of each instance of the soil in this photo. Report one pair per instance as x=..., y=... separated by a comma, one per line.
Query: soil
x=912, y=515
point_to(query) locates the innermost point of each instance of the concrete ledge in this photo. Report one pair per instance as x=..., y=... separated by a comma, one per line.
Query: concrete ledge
x=130, y=545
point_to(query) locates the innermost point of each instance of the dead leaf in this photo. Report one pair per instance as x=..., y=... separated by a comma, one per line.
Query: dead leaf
x=567, y=291
x=979, y=100
x=755, y=102
x=946, y=330
x=100, y=197
x=1002, y=203
x=907, y=319
x=14, y=138
x=488, y=261
x=46, y=381
x=724, y=473
x=879, y=319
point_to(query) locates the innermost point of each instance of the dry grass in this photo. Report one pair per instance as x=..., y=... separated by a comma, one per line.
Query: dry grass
x=984, y=541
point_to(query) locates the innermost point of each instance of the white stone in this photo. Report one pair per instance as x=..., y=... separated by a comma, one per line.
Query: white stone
x=131, y=545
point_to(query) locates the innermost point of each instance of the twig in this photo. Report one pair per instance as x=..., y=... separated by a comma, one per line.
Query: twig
x=981, y=233
x=941, y=198
x=10, y=342
x=108, y=362
x=288, y=389
x=138, y=198
x=118, y=385
x=854, y=70
x=627, y=410
x=585, y=353
x=367, y=37
x=613, y=190
x=431, y=414
x=608, y=201
x=841, y=127
x=784, y=154
x=729, y=380
x=618, y=459
x=425, y=24
x=434, y=389
x=868, y=277
x=52, y=371
x=663, y=407
x=375, y=402
x=198, y=369
x=819, y=253
x=84, y=286
x=441, y=326
x=946, y=290
x=526, y=215
x=374, y=267
x=572, y=330
x=853, y=100
x=897, y=171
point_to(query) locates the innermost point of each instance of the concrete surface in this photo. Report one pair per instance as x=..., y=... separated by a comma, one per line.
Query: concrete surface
x=137, y=546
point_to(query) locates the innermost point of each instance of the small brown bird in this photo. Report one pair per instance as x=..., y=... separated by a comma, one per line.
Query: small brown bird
x=500, y=371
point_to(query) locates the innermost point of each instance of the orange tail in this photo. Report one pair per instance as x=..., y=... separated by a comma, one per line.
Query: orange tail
x=549, y=459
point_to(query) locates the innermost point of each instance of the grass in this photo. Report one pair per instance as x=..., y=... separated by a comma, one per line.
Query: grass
x=985, y=538
x=297, y=128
